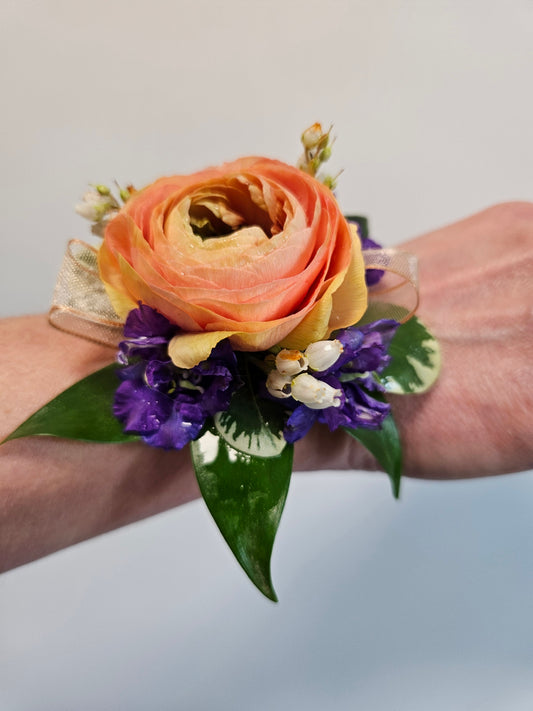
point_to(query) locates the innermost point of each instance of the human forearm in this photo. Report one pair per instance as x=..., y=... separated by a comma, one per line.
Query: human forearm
x=56, y=492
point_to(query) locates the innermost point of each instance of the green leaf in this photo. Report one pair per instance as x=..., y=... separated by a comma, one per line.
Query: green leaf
x=415, y=361
x=83, y=411
x=250, y=426
x=245, y=495
x=386, y=447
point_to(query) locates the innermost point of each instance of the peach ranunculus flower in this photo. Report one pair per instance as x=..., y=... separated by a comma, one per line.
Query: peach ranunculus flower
x=254, y=250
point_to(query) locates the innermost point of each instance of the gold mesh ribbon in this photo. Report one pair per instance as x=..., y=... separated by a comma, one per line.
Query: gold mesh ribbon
x=395, y=295
x=80, y=304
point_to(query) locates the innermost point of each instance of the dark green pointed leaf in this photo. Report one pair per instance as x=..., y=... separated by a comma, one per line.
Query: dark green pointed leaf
x=250, y=426
x=83, y=411
x=386, y=447
x=245, y=495
x=415, y=361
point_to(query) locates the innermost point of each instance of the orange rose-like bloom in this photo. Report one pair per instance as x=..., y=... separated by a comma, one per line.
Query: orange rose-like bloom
x=255, y=251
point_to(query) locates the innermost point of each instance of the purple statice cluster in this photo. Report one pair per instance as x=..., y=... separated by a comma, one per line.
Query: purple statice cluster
x=168, y=406
x=358, y=401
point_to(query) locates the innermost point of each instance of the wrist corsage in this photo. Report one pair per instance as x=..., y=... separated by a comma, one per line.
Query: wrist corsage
x=245, y=308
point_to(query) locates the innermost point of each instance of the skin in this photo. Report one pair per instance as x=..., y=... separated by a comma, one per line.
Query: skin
x=475, y=296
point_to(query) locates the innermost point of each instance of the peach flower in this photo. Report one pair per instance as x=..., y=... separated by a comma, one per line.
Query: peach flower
x=255, y=251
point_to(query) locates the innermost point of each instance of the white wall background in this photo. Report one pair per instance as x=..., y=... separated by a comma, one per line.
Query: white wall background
x=417, y=605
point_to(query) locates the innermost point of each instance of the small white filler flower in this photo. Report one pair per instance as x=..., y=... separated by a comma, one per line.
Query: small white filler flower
x=290, y=362
x=314, y=393
x=278, y=385
x=96, y=204
x=321, y=355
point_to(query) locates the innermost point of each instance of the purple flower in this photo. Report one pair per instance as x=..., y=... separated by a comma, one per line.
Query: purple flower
x=168, y=406
x=140, y=408
x=364, y=352
x=147, y=334
x=299, y=423
x=182, y=426
x=360, y=408
x=145, y=323
x=365, y=347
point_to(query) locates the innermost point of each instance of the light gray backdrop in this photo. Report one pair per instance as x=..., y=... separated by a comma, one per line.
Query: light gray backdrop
x=417, y=605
